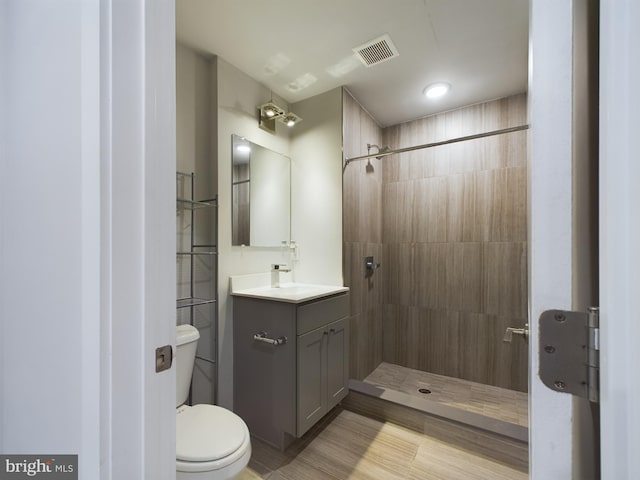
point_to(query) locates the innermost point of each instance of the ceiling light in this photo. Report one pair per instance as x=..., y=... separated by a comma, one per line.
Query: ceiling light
x=436, y=90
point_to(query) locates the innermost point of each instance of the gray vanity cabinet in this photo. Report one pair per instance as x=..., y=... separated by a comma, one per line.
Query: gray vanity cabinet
x=323, y=372
x=283, y=390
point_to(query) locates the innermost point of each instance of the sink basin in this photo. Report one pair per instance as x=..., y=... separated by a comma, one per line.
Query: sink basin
x=291, y=292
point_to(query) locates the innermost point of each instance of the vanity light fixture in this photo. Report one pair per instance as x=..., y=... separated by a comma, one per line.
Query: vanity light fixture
x=290, y=119
x=269, y=112
x=436, y=90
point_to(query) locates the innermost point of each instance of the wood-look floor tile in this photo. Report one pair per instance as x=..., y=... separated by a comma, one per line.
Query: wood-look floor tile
x=345, y=449
x=438, y=461
x=351, y=446
x=250, y=474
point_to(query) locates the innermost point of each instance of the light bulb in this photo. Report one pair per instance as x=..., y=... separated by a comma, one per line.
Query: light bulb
x=436, y=90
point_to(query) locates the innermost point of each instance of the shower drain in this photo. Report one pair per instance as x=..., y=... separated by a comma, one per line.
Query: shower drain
x=424, y=390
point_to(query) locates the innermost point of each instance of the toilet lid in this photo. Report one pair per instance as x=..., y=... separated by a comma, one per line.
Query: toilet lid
x=207, y=432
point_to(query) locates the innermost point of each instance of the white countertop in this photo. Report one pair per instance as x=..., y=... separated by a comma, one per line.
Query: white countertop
x=288, y=292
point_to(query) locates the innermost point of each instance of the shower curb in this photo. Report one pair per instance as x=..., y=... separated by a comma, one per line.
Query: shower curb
x=502, y=441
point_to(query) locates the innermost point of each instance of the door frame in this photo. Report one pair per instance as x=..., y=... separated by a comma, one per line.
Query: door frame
x=619, y=238
x=550, y=227
x=138, y=165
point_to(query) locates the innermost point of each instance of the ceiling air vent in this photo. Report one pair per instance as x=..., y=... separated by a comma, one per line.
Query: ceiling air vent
x=376, y=51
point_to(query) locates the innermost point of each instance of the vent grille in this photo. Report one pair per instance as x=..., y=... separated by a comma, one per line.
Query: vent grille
x=376, y=51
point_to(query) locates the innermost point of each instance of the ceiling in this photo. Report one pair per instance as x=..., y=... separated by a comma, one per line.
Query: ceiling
x=301, y=48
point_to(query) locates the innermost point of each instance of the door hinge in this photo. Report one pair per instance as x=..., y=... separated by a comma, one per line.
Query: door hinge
x=570, y=352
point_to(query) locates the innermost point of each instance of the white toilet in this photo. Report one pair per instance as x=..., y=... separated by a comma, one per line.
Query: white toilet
x=212, y=443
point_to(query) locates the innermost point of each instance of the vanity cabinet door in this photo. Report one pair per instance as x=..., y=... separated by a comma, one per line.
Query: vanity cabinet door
x=311, y=378
x=337, y=362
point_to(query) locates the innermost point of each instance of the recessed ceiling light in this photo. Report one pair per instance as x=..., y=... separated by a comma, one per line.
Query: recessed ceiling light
x=436, y=90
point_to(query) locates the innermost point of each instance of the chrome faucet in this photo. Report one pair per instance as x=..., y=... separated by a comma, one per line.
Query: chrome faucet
x=276, y=268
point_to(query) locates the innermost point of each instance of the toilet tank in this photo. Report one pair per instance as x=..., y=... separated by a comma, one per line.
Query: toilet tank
x=186, y=342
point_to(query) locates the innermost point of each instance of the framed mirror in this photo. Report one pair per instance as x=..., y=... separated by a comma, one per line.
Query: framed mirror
x=261, y=195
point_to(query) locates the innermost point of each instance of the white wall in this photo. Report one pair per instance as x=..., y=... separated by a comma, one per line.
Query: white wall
x=193, y=119
x=238, y=96
x=316, y=165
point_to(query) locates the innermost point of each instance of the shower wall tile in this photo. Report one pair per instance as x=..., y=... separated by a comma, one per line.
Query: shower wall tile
x=430, y=280
x=456, y=344
x=399, y=271
x=466, y=208
x=351, y=205
x=362, y=227
x=391, y=163
x=430, y=208
x=361, y=180
x=398, y=201
x=370, y=203
x=504, y=113
x=350, y=126
x=505, y=279
x=508, y=360
x=452, y=239
x=366, y=290
x=366, y=337
x=464, y=277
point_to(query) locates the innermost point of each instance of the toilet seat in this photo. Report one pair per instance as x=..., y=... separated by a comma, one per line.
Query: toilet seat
x=209, y=437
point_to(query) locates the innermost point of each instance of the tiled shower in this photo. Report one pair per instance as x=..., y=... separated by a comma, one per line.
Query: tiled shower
x=448, y=226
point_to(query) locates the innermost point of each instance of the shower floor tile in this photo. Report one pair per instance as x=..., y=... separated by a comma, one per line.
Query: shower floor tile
x=494, y=402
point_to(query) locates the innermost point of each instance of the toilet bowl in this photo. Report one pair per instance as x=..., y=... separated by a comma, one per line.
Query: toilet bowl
x=212, y=443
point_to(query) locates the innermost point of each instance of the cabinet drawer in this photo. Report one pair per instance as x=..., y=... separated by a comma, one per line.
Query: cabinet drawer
x=316, y=314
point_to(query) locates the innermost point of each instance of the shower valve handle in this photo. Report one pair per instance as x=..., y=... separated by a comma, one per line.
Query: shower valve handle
x=511, y=331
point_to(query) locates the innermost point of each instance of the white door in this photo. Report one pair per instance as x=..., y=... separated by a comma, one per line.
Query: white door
x=87, y=202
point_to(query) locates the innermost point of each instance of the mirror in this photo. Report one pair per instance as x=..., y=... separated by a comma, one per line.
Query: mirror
x=261, y=199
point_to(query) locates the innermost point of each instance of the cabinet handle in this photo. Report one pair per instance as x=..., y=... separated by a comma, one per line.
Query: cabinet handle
x=261, y=336
x=332, y=330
